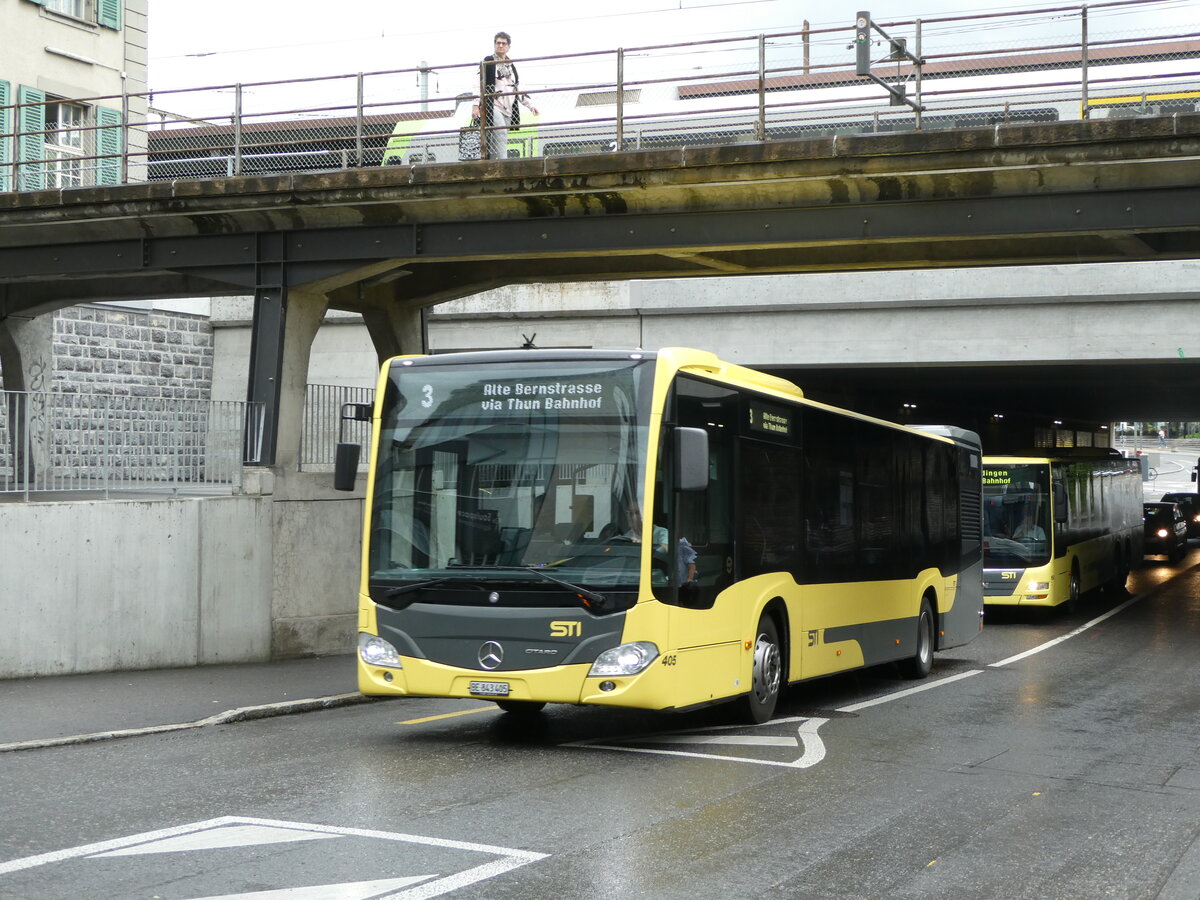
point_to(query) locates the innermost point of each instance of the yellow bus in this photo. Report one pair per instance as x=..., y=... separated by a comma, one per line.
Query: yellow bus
x=657, y=530
x=1056, y=527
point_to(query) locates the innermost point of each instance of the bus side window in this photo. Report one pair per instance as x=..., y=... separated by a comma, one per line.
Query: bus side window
x=701, y=518
x=829, y=461
x=769, y=495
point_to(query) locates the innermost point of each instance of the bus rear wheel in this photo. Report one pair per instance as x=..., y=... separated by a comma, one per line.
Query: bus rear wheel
x=766, y=680
x=921, y=663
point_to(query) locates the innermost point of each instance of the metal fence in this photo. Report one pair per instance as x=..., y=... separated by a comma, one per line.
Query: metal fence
x=324, y=429
x=1099, y=60
x=99, y=445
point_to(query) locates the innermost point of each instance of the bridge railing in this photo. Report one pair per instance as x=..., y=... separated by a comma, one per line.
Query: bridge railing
x=324, y=428
x=99, y=444
x=1062, y=62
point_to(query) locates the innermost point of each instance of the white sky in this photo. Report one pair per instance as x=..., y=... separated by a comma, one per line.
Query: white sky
x=228, y=41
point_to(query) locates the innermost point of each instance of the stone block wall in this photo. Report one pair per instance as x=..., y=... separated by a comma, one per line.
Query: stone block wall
x=132, y=352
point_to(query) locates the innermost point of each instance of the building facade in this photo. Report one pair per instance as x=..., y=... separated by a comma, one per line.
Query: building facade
x=72, y=76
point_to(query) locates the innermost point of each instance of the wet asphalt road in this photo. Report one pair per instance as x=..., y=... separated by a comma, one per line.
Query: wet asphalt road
x=1069, y=772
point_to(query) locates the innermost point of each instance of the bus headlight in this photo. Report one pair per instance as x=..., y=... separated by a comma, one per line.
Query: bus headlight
x=375, y=651
x=628, y=659
x=1038, y=586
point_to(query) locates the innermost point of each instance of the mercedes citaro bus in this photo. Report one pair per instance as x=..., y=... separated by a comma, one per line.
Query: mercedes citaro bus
x=659, y=530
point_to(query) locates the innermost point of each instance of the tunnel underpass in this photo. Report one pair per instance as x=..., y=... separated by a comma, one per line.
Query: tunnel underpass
x=1008, y=404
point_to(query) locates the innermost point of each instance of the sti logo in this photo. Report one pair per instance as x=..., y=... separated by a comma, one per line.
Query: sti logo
x=566, y=629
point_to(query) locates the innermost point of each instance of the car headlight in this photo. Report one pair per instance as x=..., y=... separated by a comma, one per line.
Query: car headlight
x=627, y=659
x=375, y=651
x=1162, y=532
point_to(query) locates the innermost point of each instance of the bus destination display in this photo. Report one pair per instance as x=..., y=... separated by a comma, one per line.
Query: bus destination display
x=524, y=396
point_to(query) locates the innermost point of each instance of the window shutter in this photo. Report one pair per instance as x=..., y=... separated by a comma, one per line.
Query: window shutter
x=108, y=14
x=6, y=119
x=109, y=145
x=31, y=141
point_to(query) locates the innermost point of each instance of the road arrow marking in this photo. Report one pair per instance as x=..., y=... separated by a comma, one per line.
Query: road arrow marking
x=806, y=735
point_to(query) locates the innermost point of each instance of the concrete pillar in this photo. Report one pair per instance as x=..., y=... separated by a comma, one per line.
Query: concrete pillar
x=396, y=330
x=27, y=364
x=315, y=530
x=306, y=311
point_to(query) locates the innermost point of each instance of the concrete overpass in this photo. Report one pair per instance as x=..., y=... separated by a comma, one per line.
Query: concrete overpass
x=390, y=242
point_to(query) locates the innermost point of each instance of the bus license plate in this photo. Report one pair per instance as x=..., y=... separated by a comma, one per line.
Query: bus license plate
x=489, y=688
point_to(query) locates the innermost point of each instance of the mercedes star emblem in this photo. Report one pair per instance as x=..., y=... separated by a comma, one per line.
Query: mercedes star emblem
x=491, y=655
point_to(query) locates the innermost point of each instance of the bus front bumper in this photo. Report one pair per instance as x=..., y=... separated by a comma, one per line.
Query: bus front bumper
x=1014, y=587
x=561, y=684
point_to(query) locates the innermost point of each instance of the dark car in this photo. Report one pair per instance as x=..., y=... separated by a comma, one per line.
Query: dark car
x=1190, y=504
x=1165, y=530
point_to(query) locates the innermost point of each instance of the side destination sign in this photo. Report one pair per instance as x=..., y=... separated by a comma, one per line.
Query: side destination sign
x=770, y=421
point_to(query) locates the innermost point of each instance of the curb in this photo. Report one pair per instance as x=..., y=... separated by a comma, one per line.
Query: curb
x=230, y=716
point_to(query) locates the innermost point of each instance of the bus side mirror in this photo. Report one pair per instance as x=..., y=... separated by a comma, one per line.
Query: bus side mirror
x=345, y=466
x=691, y=459
x=345, y=462
x=1060, y=502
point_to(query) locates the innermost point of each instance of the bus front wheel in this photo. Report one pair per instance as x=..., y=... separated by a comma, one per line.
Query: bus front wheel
x=766, y=680
x=1074, y=593
x=921, y=663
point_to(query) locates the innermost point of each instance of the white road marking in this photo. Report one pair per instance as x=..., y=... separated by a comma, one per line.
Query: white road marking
x=747, y=740
x=813, y=753
x=221, y=838
x=509, y=858
x=908, y=692
x=357, y=890
x=1065, y=637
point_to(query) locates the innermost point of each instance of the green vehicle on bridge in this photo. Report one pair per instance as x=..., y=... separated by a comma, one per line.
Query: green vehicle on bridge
x=434, y=137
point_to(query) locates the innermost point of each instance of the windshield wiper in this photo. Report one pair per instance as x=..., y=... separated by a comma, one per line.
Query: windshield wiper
x=589, y=596
x=415, y=586
x=594, y=596
x=393, y=593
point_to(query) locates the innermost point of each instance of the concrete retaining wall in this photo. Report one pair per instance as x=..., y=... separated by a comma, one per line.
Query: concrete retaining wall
x=91, y=586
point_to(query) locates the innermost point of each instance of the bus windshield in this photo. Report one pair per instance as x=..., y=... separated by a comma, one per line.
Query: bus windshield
x=486, y=473
x=1016, y=521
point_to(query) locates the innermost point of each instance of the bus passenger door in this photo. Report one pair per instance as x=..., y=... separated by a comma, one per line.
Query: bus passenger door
x=703, y=630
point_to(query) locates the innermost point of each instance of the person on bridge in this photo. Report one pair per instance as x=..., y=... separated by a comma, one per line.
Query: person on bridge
x=501, y=91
